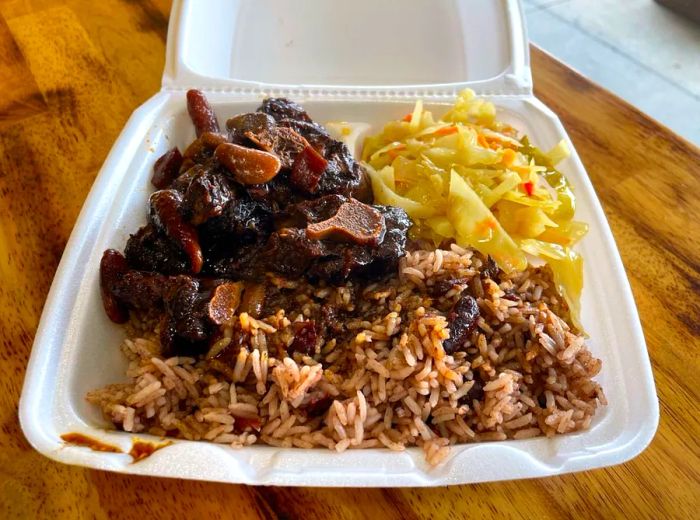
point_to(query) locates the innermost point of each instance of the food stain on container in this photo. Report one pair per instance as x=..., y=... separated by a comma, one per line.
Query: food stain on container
x=140, y=449
x=78, y=439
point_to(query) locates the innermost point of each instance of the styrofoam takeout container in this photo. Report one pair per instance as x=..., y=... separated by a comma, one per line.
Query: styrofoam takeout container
x=360, y=61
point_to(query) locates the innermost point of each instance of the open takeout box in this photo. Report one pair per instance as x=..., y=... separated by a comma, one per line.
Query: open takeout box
x=357, y=61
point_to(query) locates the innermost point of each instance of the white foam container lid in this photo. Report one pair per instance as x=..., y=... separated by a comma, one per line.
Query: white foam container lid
x=361, y=61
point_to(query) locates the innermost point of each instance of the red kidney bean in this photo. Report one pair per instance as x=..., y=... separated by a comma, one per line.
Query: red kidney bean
x=112, y=267
x=201, y=113
x=304, y=338
x=461, y=320
x=165, y=213
x=167, y=168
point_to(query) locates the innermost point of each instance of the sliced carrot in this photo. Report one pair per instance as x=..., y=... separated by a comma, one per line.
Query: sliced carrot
x=509, y=131
x=522, y=170
x=407, y=118
x=508, y=157
x=482, y=141
x=446, y=130
x=483, y=227
x=394, y=152
x=495, y=142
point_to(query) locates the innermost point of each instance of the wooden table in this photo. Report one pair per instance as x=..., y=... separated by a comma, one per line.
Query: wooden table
x=71, y=72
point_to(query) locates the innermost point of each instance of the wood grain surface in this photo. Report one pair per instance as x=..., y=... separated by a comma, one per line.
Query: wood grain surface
x=71, y=72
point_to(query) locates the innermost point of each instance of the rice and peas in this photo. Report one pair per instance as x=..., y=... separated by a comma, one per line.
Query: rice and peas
x=380, y=377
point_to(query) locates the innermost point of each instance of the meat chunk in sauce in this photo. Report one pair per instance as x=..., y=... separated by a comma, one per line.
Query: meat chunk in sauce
x=187, y=327
x=256, y=128
x=261, y=131
x=275, y=194
x=330, y=259
x=242, y=220
x=206, y=196
x=150, y=249
x=281, y=108
x=343, y=175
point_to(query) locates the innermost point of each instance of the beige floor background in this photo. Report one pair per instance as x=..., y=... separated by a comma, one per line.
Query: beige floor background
x=640, y=50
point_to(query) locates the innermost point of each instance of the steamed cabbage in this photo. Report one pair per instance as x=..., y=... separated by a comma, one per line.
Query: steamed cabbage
x=473, y=179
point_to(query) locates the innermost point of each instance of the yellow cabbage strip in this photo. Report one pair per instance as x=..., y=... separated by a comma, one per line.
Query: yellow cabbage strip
x=476, y=226
x=510, y=181
x=567, y=268
x=558, y=153
x=385, y=195
x=469, y=177
x=567, y=234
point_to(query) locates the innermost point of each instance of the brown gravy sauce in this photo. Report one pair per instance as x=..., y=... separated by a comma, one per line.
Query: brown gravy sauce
x=139, y=449
x=78, y=439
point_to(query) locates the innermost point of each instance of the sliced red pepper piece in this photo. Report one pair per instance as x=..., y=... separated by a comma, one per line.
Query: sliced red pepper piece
x=308, y=167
